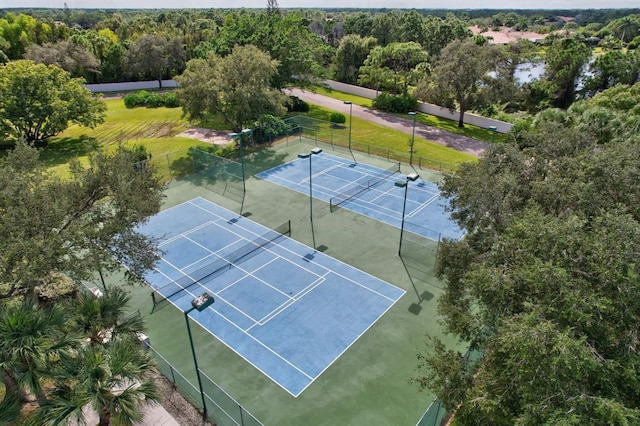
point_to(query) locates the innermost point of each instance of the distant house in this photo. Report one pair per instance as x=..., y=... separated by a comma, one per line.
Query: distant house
x=507, y=35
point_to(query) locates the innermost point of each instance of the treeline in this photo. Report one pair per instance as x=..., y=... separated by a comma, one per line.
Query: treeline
x=400, y=52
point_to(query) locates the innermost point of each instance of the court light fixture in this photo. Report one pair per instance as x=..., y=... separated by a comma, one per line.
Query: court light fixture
x=200, y=303
x=413, y=137
x=350, y=119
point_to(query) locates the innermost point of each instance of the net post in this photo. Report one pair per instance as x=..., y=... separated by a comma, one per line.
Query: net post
x=153, y=298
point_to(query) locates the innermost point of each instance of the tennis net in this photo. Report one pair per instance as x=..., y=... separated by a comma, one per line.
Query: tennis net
x=337, y=200
x=243, y=253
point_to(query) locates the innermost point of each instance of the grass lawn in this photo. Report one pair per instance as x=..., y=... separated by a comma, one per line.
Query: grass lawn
x=451, y=126
x=382, y=139
x=155, y=128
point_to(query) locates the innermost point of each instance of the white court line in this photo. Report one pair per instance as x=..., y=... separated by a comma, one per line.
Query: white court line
x=182, y=234
x=274, y=313
x=320, y=173
x=333, y=271
x=424, y=205
x=286, y=361
x=296, y=254
x=295, y=186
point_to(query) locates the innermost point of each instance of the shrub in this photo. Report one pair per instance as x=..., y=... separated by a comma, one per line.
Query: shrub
x=390, y=103
x=269, y=127
x=295, y=104
x=337, y=118
x=142, y=98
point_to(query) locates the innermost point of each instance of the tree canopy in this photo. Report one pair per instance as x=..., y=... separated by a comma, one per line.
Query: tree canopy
x=39, y=101
x=394, y=67
x=74, y=226
x=545, y=281
x=237, y=86
x=460, y=78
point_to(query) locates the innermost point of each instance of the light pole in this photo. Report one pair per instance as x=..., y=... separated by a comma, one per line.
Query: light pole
x=404, y=208
x=350, y=120
x=413, y=137
x=200, y=303
x=313, y=234
x=492, y=129
x=244, y=132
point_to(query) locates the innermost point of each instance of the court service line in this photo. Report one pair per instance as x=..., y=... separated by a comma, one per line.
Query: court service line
x=318, y=174
x=182, y=234
x=293, y=299
x=286, y=361
x=303, y=189
x=424, y=205
x=352, y=343
x=338, y=274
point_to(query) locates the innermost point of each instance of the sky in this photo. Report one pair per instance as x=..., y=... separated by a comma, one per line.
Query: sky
x=374, y=4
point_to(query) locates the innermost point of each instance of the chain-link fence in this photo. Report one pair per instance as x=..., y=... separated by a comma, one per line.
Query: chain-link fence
x=334, y=135
x=222, y=408
x=436, y=414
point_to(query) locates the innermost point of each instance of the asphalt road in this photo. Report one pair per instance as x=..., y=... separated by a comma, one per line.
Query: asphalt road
x=441, y=137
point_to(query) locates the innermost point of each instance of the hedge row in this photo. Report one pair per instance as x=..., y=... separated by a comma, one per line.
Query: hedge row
x=146, y=99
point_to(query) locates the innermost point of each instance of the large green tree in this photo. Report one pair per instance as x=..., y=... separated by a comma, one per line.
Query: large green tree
x=75, y=59
x=40, y=101
x=611, y=68
x=237, y=86
x=566, y=61
x=545, y=283
x=350, y=56
x=156, y=57
x=394, y=67
x=460, y=77
x=77, y=225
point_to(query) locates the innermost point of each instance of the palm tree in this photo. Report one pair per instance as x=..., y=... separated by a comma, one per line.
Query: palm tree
x=114, y=379
x=101, y=318
x=32, y=340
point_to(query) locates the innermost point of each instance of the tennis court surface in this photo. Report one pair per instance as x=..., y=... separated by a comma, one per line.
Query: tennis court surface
x=286, y=309
x=370, y=191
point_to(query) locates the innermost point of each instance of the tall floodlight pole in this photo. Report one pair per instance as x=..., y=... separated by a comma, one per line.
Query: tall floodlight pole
x=492, y=129
x=244, y=132
x=413, y=137
x=200, y=303
x=313, y=235
x=350, y=120
x=404, y=209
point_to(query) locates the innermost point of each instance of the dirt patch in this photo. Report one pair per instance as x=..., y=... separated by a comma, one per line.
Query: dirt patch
x=216, y=137
x=180, y=409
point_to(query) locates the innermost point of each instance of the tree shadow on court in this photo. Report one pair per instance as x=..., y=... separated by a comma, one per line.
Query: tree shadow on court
x=417, y=273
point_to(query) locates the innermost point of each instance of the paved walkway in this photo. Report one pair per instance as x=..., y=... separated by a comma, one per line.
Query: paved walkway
x=154, y=415
x=441, y=137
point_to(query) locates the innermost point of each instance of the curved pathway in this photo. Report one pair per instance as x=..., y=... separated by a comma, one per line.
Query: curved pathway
x=441, y=137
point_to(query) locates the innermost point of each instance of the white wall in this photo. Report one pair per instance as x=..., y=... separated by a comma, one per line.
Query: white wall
x=432, y=109
x=436, y=110
x=134, y=85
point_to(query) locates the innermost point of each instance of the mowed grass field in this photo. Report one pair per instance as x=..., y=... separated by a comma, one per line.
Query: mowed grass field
x=370, y=137
x=475, y=132
x=157, y=130
x=154, y=128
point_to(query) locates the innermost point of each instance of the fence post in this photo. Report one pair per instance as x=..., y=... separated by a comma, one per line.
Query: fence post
x=170, y=171
x=173, y=377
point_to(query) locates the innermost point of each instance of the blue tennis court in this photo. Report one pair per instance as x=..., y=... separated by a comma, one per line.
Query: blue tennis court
x=375, y=189
x=286, y=309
